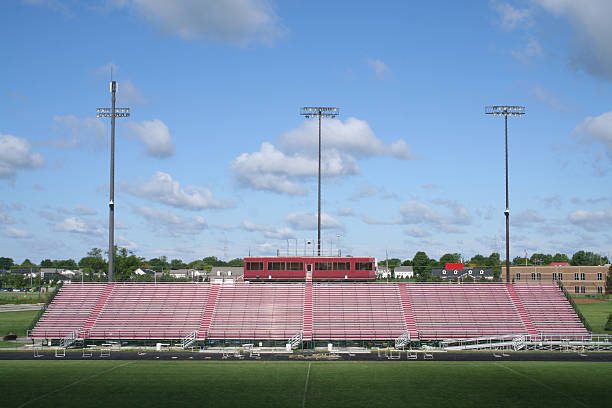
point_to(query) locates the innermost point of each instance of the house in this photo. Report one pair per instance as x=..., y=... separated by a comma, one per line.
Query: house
x=475, y=273
x=383, y=273
x=144, y=271
x=232, y=272
x=403, y=272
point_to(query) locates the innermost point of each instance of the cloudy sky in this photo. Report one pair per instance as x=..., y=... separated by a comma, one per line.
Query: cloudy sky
x=215, y=159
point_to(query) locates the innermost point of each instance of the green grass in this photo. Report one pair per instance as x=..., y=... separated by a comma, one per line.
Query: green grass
x=16, y=322
x=19, y=298
x=283, y=384
x=597, y=315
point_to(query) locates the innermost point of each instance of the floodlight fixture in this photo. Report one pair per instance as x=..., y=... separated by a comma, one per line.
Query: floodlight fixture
x=505, y=111
x=112, y=112
x=319, y=112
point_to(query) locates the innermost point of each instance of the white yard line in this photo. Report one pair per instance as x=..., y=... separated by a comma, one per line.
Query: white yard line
x=542, y=384
x=306, y=385
x=73, y=383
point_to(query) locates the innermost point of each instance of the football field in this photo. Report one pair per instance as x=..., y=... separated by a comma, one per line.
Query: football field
x=303, y=384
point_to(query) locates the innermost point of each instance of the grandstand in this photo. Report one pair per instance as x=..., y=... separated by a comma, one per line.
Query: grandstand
x=309, y=310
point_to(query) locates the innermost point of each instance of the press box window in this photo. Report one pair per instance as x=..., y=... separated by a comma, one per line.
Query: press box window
x=276, y=266
x=254, y=266
x=363, y=266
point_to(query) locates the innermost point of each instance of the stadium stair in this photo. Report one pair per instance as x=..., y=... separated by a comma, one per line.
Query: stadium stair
x=209, y=311
x=408, y=313
x=307, y=313
x=520, y=308
x=83, y=332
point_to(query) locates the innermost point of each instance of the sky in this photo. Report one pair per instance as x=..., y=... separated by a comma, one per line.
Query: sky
x=215, y=159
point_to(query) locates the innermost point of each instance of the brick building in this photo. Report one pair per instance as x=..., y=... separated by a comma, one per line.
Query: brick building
x=589, y=280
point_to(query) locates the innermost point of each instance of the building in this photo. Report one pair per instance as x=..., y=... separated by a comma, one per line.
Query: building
x=383, y=272
x=403, y=272
x=589, y=280
x=315, y=268
x=453, y=274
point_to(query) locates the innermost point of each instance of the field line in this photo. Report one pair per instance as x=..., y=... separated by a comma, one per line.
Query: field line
x=541, y=383
x=73, y=383
x=306, y=385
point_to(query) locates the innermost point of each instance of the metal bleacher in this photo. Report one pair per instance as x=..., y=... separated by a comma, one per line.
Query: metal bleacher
x=311, y=311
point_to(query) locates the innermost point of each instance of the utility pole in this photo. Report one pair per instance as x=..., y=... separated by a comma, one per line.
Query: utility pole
x=112, y=113
x=505, y=111
x=319, y=112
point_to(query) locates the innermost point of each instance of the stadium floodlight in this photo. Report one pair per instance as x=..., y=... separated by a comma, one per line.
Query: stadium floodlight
x=505, y=111
x=319, y=112
x=112, y=113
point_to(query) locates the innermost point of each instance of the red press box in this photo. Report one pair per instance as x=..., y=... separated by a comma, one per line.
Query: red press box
x=320, y=268
x=453, y=266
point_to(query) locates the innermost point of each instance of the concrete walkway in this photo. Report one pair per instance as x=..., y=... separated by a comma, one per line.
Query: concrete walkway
x=21, y=307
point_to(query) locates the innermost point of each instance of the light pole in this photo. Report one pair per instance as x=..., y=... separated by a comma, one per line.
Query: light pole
x=112, y=113
x=319, y=112
x=505, y=111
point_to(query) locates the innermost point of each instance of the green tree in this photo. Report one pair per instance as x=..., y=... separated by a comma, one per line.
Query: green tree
x=584, y=258
x=212, y=260
x=236, y=262
x=422, y=265
x=478, y=261
x=560, y=258
x=493, y=262
x=468, y=278
x=407, y=262
x=449, y=258
x=541, y=259
x=46, y=263
x=6, y=263
x=27, y=264
x=177, y=264
x=520, y=260
x=126, y=263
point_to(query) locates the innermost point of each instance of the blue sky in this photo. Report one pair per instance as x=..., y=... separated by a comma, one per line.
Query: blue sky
x=215, y=159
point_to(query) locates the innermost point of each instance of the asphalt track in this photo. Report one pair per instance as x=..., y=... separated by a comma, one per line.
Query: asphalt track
x=196, y=356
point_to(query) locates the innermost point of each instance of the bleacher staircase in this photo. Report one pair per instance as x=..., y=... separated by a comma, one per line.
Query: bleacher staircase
x=411, y=328
x=306, y=333
x=209, y=311
x=520, y=308
x=83, y=332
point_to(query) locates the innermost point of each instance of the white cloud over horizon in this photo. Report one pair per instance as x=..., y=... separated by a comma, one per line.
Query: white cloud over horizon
x=239, y=22
x=163, y=189
x=155, y=135
x=15, y=155
x=308, y=222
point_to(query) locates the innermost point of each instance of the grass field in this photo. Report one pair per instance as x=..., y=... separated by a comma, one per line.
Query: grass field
x=597, y=315
x=18, y=298
x=297, y=384
x=16, y=322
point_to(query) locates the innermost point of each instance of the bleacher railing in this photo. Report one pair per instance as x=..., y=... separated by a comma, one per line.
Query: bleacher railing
x=44, y=308
x=575, y=307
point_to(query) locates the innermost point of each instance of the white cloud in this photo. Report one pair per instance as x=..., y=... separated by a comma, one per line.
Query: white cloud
x=175, y=225
x=268, y=230
x=163, y=189
x=380, y=68
x=531, y=50
x=281, y=169
x=345, y=212
x=415, y=212
x=15, y=154
x=129, y=94
x=305, y=221
x=417, y=232
x=77, y=225
x=155, y=135
x=240, y=22
x=6, y=218
x=17, y=233
x=591, y=50
x=272, y=170
x=550, y=99
x=510, y=16
x=592, y=221
x=75, y=132
x=596, y=129
x=527, y=218
x=353, y=136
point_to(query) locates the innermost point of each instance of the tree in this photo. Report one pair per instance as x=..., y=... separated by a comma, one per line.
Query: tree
x=407, y=262
x=520, y=260
x=27, y=264
x=494, y=263
x=541, y=259
x=236, y=262
x=478, y=261
x=422, y=266
x=177, y=264
x=582, y=258
x=158, y=264
x=46, y=263
x=212, y=260
x=560, y=258
x=449, y=258
x=6, y=263
x=126, y=263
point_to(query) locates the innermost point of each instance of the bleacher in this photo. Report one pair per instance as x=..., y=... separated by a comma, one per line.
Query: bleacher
x=550, y=311
x=356, y=311
x=251, y=311
x=336, y=311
